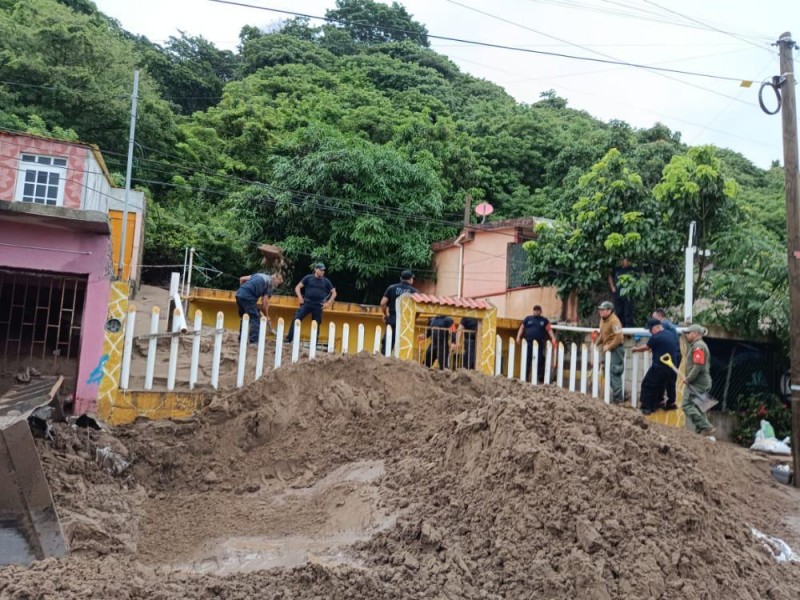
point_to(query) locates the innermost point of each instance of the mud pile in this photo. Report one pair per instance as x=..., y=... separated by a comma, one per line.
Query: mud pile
x=362, y=477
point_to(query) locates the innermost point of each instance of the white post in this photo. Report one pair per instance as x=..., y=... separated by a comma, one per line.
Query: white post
x=360, y=342
x=152, y=348
x=498, y=355
x=584, y=367
x=688, y=287
x=560, y=367
x=523, y=360
x=510, y=366
x=595, y=370
x=127, y=350
x=331, y=338
x=178, y=313
x=387, y=351
x=607, y=382
x=376, y=342
x=279, y=343
x=198, y=327
x=548, y=361
x=217, y=356
x=312, y=347
x=175, y=283
x=345, y=338
x=296, y=341
x=534, y=347
x=262, y=346
x=173, y=351
x=242, y=360
x=189, y=273
x=573, y=365
x=635, y=381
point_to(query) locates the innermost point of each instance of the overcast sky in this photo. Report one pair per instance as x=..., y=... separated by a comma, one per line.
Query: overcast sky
x=726, y=38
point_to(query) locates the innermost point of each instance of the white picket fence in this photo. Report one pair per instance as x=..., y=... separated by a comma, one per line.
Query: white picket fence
x=574, y=369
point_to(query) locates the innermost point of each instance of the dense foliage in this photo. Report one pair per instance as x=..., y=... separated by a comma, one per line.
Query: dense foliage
x=355, y=143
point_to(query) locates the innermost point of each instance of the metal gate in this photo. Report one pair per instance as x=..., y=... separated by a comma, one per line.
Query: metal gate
x=40, y=322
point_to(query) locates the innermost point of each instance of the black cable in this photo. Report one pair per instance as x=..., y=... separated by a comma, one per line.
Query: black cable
x=775, y=83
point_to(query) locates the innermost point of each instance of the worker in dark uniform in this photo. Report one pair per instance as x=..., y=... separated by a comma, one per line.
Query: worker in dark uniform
x=466, y=339
x=659, y=377
x=314, y=293
x=623, y=301
x=252, y=288
x=440, y=330
x=389, y=303
x=536, y=328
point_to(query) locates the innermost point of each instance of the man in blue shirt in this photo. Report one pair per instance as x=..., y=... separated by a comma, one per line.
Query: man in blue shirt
x=251, y=289
x=314, y=292
x=659, y=379
x=389, y=302
x=537, y=328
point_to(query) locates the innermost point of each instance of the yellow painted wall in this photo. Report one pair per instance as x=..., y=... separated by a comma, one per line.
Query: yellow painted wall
x=115, y=217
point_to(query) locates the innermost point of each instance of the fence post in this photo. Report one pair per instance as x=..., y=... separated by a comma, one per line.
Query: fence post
x=523, y=360
x=312, y=343
x=242, y=360
x=173, y=350
x=560, y=366
x=634, y=382
x=534, y=347
x=548, y=362
x=360, y=342
x=510, y=366
x=387, y=351
x=607, y=382
x=152, y=348
x=376, y=343
x=262, y=346
x=345, y=338
x=595, y=371
x=573, y=365
x=127, y=351
x=584, y=367
x=198, y=326
x=279, y=343
x=498, y=355
x=331, y=337
x=217, y=356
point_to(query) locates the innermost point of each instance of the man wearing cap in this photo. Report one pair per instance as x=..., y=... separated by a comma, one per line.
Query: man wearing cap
x=612, y=343
x=314, y=292
x=698, y=376
x=251, y=289
x=536, y=328
x=389, y=302
x=659, y=379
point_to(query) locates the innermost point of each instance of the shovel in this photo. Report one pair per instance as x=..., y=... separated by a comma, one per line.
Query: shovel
x=701, y=401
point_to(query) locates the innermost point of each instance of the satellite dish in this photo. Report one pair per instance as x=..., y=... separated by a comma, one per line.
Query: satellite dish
x=484, y=209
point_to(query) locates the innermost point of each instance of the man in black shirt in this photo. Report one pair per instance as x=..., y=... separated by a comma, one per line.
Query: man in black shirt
x=389, y=302
x=314, y=292
x=623, y=304
x=536, y=328
x=253, y=288
x=659, y=379
x=466, y=337
x=440, y=332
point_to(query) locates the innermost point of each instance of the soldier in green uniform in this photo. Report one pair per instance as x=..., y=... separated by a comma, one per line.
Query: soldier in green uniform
x=698, y=376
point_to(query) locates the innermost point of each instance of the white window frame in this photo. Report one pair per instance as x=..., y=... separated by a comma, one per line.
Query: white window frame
x=36, y=163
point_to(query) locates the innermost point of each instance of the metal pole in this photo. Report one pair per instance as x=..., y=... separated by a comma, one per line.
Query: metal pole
x=688, y=286
x=790, y=167
x=134, y=98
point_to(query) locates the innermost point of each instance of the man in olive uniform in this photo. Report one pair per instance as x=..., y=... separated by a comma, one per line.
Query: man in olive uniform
x=698, y=376
x=612, y=342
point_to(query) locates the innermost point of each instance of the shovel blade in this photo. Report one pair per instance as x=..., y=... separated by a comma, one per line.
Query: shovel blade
x=704, y=402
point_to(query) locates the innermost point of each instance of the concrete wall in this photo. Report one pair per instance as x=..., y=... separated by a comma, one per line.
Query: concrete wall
x=44, y=248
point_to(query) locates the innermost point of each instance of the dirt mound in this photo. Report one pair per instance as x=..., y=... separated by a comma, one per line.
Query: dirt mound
x=363, y=477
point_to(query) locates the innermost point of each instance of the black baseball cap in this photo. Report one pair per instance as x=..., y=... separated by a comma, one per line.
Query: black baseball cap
x=407, y=274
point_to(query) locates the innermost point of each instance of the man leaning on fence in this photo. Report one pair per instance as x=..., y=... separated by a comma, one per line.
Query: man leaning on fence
x=612, y=343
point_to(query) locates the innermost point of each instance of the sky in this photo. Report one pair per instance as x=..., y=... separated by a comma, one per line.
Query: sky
x=722, y=38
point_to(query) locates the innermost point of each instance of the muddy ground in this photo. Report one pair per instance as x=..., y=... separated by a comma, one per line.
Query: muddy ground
x=363, y=477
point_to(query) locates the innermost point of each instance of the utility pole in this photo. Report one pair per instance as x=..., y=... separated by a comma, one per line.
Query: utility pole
x=134, y=98
x=790, y=167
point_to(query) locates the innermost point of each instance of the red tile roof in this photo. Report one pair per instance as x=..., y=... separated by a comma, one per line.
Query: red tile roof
x=452, y=301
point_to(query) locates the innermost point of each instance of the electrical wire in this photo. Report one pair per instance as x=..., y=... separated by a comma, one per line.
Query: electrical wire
x=482, y=44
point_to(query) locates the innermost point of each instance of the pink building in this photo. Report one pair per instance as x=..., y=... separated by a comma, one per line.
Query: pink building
x=56, y=269
x=487, y=261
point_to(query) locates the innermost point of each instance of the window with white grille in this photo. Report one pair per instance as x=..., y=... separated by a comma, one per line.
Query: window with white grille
x=41, y=179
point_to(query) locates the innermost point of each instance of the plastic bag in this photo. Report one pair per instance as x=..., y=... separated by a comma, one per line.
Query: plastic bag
x=766, y=442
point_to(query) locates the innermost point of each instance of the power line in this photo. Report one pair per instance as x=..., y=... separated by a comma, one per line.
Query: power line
x=483, y=44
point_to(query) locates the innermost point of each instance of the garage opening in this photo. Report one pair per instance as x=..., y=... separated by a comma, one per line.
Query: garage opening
x=41, y=315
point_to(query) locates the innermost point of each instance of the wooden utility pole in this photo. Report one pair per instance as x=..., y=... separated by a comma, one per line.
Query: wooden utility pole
x=790, y=167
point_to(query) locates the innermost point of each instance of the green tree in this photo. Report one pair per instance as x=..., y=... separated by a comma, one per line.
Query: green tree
x=371, y=22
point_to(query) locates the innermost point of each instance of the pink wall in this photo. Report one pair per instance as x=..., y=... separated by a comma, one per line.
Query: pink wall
x=11, y=146
x=43, y=248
